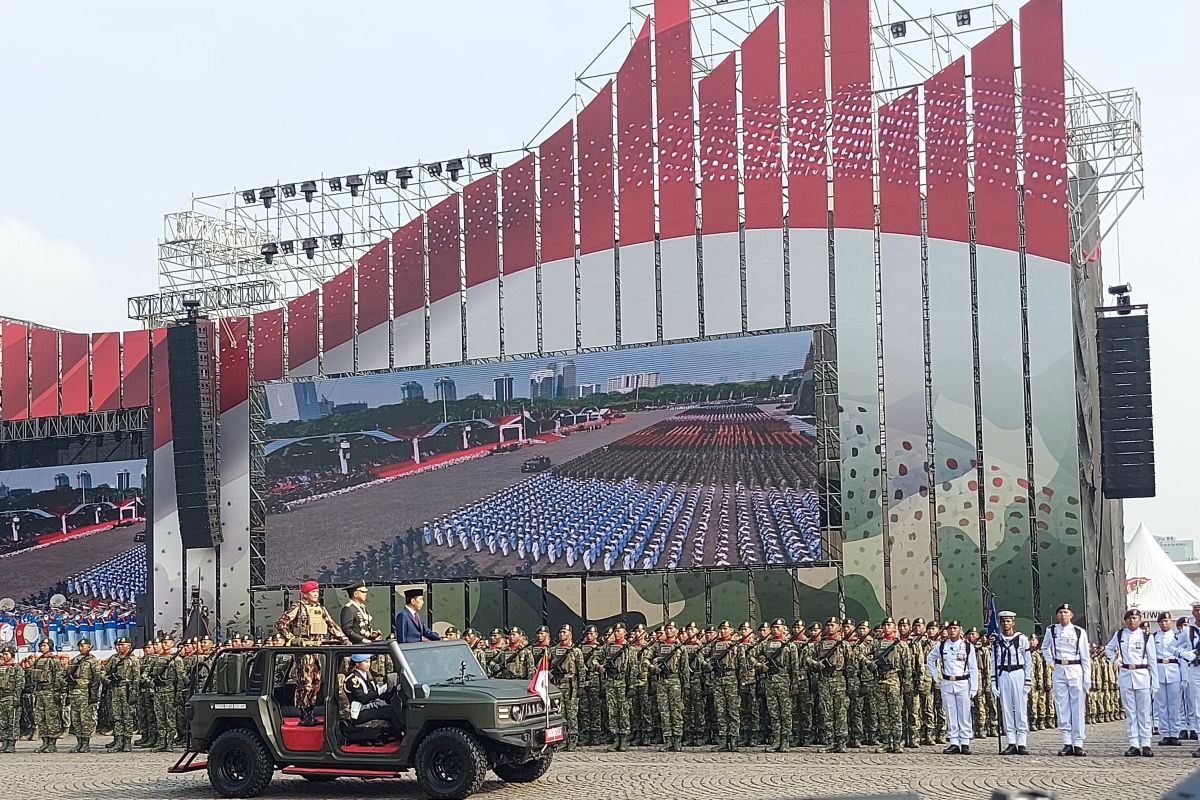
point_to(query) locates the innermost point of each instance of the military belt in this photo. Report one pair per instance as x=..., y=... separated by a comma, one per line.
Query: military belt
x=1011, y=668
x=1065, y=662
x=952, y=678
x=1135, y=666
x=1167, y=661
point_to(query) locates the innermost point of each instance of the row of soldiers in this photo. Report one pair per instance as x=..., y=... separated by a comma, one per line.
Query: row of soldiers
x=841, y=685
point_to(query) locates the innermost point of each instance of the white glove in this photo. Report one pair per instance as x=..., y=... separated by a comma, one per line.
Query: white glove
x=995, y=691
x=974, y=693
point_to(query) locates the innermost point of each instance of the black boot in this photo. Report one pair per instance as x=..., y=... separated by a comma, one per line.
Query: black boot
x=45, y=748
x=618, y=744
x=78, y=745
x=85, y=744
x=1011, y=750
x=114, y=744
x=676, y=744
x=781, y=745
x=572, y=743
x=126, y=745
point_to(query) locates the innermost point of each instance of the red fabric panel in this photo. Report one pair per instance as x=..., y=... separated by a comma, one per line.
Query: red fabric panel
x=718, y=149
x=994, y=104
x=74, y=381
x=558, y=195
x=520, y=228
x=233, y=336
x=161, y=377
x=596, y=173
x=408, y=268
x=946, y=153
x=135, y=369
x=808, y=190
x=302, y=329
x=14, y=383
x=899, y=166
x=374, y=295
x=268, y=345
x=337, y=309
x=300, y=740
x=481, y=231
x=1045, y=133
x=106, y=371
x=43, y=372
x=445, y=259
x=676, y=157
x=850, y=72
x=635, y=143
x=761, y=122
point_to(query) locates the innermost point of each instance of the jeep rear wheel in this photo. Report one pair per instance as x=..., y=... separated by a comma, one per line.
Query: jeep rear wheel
x=528, y=772
x=239, y=765
x=450, y=764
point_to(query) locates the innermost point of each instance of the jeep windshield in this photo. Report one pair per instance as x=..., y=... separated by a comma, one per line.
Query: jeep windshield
x=443, y=663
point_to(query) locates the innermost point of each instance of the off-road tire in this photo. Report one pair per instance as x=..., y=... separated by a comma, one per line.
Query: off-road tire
x=450, y=764
x=528, y=772
x=239, y=764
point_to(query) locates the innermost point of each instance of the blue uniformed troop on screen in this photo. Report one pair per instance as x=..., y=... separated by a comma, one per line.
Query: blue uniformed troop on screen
x=838, y=686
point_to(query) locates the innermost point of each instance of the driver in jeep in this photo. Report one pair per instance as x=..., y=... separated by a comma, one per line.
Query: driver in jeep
x=369, y=700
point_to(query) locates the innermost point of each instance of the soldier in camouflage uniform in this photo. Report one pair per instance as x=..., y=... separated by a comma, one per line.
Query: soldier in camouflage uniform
x=48, y=682
x=695, y=719
x=642, y=717
x=853, y=684
x=983, y=662
x=865, y=680
x=749, y=697
x=1036, y=685
x=891, y=662
x=775, y=661
x=566, y=670
x=541, y=644
x=83, y=687
x=813, y=688
x=616, y=663
x=167, y=678
x=495, y=645
x=908, y=690
x=308, y=623
x=514, y=662
x=668, y=661
x=145, y=695
x=829, y=660
x=801, y=699
x=12, y=683
x=121, y=675
x=591, y=699
x=725, y=660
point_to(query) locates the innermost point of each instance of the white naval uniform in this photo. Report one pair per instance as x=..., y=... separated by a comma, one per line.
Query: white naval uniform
x=1067, y=650
x=1137, y=679
x=1168, y=700
x=953, y=665
x=1187, y=647
x=1012, y=675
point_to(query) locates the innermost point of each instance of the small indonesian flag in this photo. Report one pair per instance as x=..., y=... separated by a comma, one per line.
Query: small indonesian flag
x=540, y=683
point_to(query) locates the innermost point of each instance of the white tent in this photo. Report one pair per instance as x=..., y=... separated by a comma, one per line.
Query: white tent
x=1153, y=582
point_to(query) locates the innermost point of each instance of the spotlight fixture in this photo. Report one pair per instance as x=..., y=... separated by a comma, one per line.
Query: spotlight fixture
x=454, y=166
x=310, y=248
x=1124, y=301
x=484, y=160
x=335, y=239
x=287, y=248
x=269, y=251
x=1120, y=289
x=289, y=189
x=266, y=194
x=434, y=169
x=963, y=18
x=248, y=197
x=899, y=30
x=335, y=184
x=381, y=177
x=404, y=175
x=309, y=188
x=354, y=182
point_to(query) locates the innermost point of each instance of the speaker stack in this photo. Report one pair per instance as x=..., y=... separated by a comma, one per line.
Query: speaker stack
x=193, y=423
x=1126, y=409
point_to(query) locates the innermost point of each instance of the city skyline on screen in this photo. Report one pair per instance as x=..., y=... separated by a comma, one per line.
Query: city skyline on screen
x=42, y=479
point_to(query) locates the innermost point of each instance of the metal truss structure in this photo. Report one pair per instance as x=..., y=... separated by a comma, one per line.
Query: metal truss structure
x=97, y=422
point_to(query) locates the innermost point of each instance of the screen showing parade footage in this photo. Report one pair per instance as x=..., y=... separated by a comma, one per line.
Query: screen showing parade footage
x=76, y=527
x=699, y=454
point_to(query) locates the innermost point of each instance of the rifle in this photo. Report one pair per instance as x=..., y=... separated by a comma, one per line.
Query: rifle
x=882, y=667
x=556, y=667
x=509, y=655
x=773, y=659
x=695, y=655
x=661, y=666
x=825, y=656
x=610, y=661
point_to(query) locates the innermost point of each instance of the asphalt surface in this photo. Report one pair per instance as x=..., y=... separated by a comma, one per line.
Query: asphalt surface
x=32, y=571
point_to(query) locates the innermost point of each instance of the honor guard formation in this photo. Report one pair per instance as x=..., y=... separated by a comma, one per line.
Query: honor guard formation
x=838, y=686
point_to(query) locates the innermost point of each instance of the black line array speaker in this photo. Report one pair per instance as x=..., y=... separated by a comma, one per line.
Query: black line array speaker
x=193, y=425
x=1126, y=411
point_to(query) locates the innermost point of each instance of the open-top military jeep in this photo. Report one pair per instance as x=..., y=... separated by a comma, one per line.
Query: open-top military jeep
x=457, y=724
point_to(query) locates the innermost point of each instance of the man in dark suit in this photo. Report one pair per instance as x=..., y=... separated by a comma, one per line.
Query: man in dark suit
x=410, y=623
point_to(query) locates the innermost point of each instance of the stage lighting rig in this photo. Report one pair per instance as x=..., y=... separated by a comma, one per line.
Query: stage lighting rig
x=310, y=248
x=454, y=166
x=404, y=175
x=434, y=169
x=287, y=248
x=248, y=197
x=289, y=189
x=899, y=30
x=335, y=239
x=963, y=18
x=335, y=184
x=269, y=251
x=484, y=160
x=380, y=177
x=266, y=194
x=1124, y=301
x=309, y=188
x=354, y=182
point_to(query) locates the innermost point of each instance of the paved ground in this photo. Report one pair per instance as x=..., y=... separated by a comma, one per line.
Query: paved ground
x=32, y=571
x=300, y=541
x=643, y=774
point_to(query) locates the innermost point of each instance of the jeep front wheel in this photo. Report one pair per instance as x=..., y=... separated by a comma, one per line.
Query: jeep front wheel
x=528, y=772
x=450, y=764
x=239, y=765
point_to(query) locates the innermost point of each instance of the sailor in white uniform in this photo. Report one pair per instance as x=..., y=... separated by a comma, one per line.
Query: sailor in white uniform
x=1065, y=646
x=1168, y=701
x=1131, y=649
x=953, y=665
x=1187, y=649
x=1012, y=676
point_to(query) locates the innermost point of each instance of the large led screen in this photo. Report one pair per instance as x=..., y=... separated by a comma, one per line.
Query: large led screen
x=699, y=454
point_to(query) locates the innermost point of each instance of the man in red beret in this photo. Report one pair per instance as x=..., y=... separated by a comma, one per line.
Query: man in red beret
x=309, y=623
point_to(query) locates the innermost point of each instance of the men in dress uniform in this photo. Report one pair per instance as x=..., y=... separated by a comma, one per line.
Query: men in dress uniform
x=369, y=699
x=1065, y=646
x=1168, y=700
x=1012, y=679
x=952, y=661
x=1131, y=650
x=355, y=619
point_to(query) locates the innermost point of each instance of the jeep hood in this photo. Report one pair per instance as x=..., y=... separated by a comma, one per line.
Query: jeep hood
x=483, y=691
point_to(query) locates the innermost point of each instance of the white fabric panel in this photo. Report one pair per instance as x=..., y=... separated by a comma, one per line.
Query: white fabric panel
x=339, y=360
x=558, y=305
x=408, y=335
x=234, y=470
x=483, y=319
x=445, y=330
x=598, y=299
x=722, y=283
x=373, y=348
x=639, y=301
x=764, y=279
x=307, y=369
x=680, y=289
x=166, y=546
x=519, y=307
x=808, y=273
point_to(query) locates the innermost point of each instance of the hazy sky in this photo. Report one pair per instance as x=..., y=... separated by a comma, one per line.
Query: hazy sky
x=117, y=112
x=41, y=479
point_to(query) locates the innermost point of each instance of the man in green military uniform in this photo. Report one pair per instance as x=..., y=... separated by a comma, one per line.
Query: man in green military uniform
x=983, y=722
x=892, y=664
x=83, y=694
x=566, y=668
x=725, y=661
x=145, y=695
x=866, y=681
x=775, y=660
x=923, y=723
x=12, y=683
x=590, y=697
x=355, y=621
x=121, y=676
x=642, y=717
x=802, y=699
x=616, y=663
x=49, y=680
x=668, y=662
x=168, y=678
x=541, y=644
x=853, y=684
x=829, y=660
x=695, y=717
x=749, y=696
x=515, y=662
x=309, y=623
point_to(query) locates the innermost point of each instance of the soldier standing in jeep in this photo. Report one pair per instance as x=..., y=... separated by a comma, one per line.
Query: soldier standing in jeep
x=309, y=623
